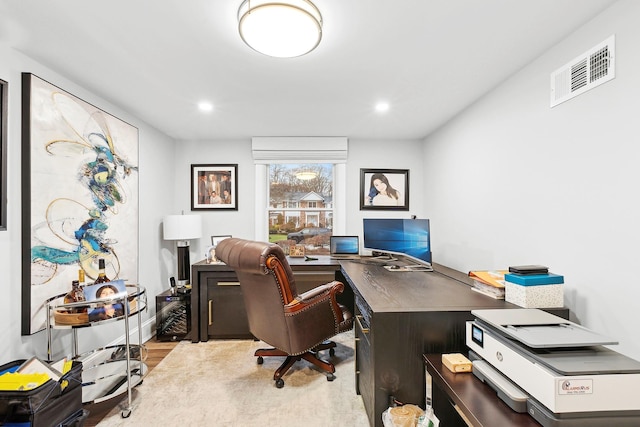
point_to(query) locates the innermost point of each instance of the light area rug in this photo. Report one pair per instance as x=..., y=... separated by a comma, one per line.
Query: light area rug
x=219, y=383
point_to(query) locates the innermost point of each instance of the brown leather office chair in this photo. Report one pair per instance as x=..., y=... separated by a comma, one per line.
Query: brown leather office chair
x=296, y=325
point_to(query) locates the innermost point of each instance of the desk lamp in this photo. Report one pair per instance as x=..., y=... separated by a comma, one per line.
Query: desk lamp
x=182, y=228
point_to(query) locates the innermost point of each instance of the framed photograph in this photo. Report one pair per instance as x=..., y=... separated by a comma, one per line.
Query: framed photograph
x=112, y=289
x=211, y=250
x=384, y=189
x=296, y=251
x=79, y=195
x=217, y=239
x=214, y=187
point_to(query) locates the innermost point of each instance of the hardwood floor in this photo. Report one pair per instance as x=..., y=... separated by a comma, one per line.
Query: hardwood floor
x=157, y=350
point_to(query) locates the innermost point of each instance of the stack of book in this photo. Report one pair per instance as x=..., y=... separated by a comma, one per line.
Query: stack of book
x=533, y=286
x=489, y=282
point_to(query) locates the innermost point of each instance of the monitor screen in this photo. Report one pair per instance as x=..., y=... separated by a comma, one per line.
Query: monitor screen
x=409, y=237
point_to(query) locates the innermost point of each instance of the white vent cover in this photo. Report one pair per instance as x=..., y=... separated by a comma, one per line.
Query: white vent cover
x=591, y=69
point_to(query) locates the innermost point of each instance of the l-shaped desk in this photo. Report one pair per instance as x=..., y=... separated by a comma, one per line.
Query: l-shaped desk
x=400, y=316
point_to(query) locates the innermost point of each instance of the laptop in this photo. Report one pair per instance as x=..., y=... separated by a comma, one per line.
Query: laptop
x=344, y=247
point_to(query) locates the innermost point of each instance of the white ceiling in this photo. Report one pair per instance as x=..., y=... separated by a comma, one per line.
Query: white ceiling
x=158, y=58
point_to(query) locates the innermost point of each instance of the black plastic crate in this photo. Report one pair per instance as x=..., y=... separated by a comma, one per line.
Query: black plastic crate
x=47, y=405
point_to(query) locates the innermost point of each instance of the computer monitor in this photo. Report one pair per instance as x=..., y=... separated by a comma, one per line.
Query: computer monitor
x=408, y=237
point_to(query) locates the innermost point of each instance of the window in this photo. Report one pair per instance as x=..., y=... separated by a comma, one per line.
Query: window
x=287, y=154
x=301, y=205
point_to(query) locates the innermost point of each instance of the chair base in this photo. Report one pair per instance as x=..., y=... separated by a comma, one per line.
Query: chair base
x=310, y=356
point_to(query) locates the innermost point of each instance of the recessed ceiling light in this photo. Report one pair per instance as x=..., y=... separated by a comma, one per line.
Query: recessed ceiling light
x=382, y=107
x=205, y=106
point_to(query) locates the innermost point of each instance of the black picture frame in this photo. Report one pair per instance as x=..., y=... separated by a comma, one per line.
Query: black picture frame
x=201, y=196
x=217, y=239
x=372, y=199
x=4, y=89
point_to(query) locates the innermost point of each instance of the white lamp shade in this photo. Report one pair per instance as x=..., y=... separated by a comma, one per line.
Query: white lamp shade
x=182, y=227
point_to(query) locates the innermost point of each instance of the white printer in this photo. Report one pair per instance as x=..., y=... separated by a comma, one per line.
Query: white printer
x=557, y=370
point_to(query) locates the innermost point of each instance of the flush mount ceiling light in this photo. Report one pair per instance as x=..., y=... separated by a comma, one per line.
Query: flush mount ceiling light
x=282, y=29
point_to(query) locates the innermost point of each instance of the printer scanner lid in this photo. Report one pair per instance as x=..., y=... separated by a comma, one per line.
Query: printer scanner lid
x=538, y=329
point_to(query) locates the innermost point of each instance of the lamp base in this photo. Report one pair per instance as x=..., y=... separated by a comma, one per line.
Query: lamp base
x=184, y=263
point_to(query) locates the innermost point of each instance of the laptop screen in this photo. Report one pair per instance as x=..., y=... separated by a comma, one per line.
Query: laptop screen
x=344, y=245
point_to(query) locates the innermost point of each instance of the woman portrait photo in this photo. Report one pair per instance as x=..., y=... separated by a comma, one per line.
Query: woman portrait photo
x=381, y=193
x=106, y=311
x=384, y=189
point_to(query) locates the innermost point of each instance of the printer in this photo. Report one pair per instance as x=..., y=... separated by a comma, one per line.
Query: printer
x=556, y=370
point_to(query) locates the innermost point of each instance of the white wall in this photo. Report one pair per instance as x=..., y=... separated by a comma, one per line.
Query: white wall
x=517, y=182
x=381, y=154
x=155, y=264
x=238, y=223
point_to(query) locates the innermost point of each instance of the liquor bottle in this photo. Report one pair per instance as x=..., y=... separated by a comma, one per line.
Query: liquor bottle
x=76, y=294
x=102, y=277
x=81, y=278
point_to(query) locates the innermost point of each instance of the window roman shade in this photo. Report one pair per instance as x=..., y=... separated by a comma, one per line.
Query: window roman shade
x=308, y=149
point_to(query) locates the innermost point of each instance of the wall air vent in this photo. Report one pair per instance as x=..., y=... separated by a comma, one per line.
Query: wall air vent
x=591, y=69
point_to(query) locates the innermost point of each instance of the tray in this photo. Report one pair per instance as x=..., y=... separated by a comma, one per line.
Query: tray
x=62, y=316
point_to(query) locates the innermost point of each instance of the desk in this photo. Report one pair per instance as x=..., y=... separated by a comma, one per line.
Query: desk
x=217, y=306
x=399, y=317
x=479, y=404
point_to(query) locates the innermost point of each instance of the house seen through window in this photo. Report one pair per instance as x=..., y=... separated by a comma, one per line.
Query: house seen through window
x=301, y=205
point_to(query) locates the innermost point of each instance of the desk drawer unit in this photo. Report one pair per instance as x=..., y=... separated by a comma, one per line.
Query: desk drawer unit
x=364, y=361
x=224, y=311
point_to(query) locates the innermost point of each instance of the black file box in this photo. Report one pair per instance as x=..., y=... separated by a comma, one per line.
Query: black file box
x=50, y=404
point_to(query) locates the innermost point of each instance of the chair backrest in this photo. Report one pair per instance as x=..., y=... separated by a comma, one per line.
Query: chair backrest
x=267, y=284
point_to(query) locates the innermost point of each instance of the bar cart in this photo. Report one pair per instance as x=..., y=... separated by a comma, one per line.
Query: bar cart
x=109, y=371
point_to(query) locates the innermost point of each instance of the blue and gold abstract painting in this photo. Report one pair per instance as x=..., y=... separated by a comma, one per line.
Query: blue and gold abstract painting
x=80, y=190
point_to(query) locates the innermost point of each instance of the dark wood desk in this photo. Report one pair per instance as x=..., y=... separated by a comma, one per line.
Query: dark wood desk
x=399, y=317
x=466, y=394
x=217, y=307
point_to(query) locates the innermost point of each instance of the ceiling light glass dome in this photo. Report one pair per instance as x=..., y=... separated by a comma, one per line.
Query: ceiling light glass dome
x=283, y=29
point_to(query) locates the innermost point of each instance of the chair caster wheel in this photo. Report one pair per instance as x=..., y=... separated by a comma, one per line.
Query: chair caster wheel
x=279, y=383
x=260, y=360
x=332, y=352
x=331, y=377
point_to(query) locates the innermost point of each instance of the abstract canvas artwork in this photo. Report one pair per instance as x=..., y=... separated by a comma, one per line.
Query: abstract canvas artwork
x=79, y=195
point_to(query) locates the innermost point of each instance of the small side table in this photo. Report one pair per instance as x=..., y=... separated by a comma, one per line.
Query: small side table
x=173, y=316
x=462, y=399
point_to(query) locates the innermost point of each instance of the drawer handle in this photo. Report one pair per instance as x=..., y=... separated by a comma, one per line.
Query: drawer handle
x=210, y=308
x=364, y=330
x=228, y=283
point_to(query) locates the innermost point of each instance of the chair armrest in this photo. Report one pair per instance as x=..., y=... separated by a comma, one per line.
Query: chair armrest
x=313, y=296
x=318, y=290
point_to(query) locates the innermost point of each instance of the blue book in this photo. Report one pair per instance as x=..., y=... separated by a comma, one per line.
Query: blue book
x=534, y=279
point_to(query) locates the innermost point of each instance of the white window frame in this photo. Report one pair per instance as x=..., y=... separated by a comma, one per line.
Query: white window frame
x=268, y=150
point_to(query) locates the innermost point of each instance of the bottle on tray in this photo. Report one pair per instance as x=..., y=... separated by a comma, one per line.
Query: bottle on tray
x=102, y=277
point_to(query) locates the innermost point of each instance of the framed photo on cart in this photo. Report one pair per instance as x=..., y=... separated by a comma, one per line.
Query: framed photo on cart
x=384, y=189
x=214, y=187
